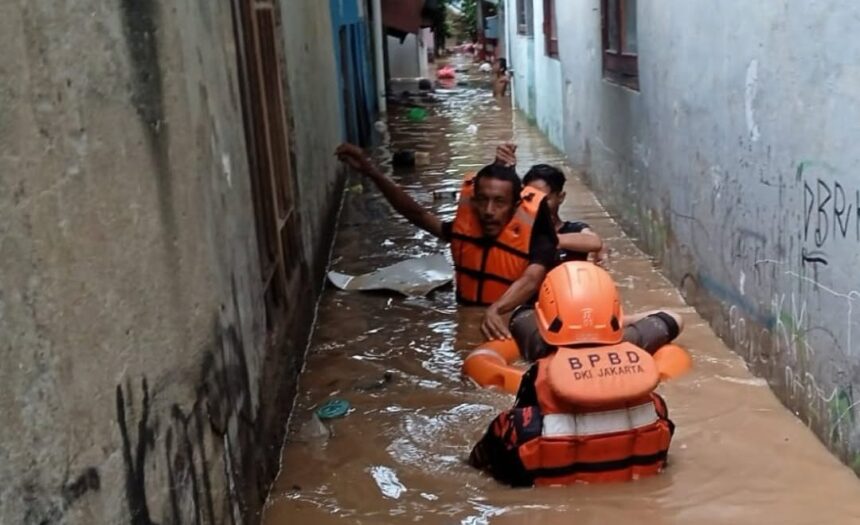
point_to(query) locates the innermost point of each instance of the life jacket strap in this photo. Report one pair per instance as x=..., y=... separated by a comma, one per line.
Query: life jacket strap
x=484, y=243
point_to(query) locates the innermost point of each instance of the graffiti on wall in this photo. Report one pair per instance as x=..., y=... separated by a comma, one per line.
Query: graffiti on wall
x=191, y=444
x=182, y=465
x=778, y=342
x=831, y=210
x=775, y=307
x=778, y=308
x=202, y=454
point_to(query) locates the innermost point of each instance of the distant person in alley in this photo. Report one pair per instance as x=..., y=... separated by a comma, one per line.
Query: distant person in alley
x=500, y=77
x=502, y=238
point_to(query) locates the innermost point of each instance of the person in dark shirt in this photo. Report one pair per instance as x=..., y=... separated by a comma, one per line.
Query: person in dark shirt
x=576, y=240
x=496, y=199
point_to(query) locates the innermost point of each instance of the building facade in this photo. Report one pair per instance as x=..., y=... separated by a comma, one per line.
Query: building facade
x=167, y=197
x=535, y=66
x=723, y=139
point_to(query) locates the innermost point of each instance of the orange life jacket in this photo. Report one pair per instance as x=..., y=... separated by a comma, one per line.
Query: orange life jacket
x=582, y=415
x=485, y=268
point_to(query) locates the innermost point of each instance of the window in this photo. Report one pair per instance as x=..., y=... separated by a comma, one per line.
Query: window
x=620, y=59
x=550, y=28
x=524, y=18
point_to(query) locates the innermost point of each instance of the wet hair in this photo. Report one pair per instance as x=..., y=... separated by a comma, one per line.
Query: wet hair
x=552, y=176
x=499, y=172
x=503, y=65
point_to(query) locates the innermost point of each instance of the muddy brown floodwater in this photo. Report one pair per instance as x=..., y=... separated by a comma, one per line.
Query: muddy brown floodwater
x=400, y=455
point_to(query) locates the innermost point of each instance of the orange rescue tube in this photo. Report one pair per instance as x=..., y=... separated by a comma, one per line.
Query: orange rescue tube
x=672, y=361
x=491, y=365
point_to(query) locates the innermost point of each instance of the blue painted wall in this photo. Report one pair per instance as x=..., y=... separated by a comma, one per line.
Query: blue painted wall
x=355, y=70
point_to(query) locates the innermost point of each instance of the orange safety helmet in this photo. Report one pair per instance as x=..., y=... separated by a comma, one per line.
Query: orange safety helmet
x=579, y=304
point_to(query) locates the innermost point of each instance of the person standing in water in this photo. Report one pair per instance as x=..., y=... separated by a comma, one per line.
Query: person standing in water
x=503, y=241
x=500, y=77
x=576, y=240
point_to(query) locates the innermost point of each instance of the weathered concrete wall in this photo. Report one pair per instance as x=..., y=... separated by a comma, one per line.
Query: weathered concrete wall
x=734, y=163
x=316, y=121
x=404, y=59
x=131, y=319
x=537, y=77
x=519, y=62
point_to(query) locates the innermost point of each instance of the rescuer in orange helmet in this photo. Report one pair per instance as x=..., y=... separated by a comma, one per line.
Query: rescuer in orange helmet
x=580, y=288
x=587, y=411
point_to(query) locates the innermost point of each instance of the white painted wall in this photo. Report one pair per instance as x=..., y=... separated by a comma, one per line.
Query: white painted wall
x=537, y=86
x=409, y=59
x=735, y=164
x=425, y=45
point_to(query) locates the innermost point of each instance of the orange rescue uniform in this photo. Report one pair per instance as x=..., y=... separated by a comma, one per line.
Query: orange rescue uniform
x=486, y=267
x=582, y=415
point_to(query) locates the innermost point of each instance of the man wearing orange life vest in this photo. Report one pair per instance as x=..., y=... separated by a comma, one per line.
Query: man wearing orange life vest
x=587, y=412
x=502, y=239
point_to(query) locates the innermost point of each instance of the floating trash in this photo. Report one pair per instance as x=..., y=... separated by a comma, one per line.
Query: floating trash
x=333, y=408
x=313, y=430
x=417, y=114
x=422, y=158
x=386, y=480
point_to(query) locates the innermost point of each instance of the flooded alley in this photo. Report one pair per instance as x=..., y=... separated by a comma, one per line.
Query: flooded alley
x=399, y=455
x=188, y=205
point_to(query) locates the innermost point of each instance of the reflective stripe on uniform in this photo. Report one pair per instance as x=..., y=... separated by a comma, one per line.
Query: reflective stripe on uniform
x=595, y=423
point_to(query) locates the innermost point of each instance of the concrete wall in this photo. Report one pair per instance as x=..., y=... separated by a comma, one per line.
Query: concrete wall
x=734, y=164
x=315, y=110
x=537, y=77
x=407, y=59
x=131, y=319
x=520, y=62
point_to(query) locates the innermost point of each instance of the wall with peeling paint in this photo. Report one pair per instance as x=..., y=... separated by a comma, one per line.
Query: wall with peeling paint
x=131, y=318
x=734, y=165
